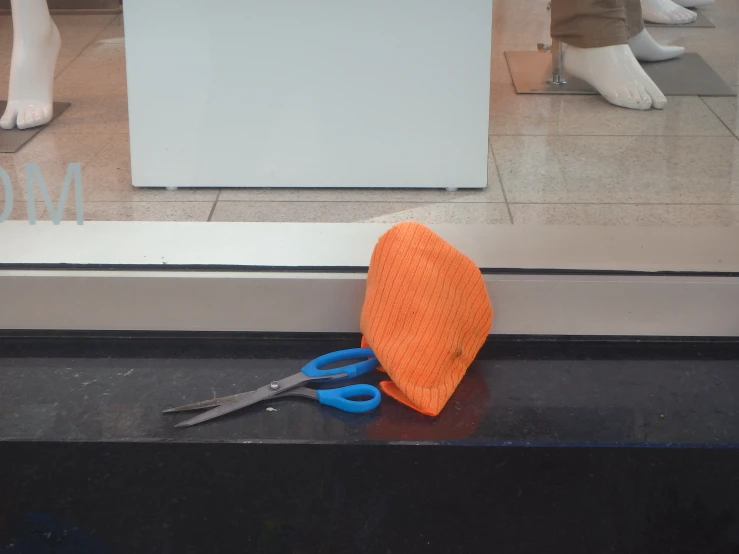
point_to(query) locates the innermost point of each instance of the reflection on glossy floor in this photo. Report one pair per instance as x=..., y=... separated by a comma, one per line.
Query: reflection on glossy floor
x=554, y=159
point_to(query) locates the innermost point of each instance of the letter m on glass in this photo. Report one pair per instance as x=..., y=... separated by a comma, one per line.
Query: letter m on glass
x=33, y=177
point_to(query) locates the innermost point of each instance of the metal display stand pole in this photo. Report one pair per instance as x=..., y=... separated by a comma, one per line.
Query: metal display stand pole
x=557, y=51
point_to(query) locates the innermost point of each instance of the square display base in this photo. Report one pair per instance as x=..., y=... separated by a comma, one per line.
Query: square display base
x=688, y=75
x=12, y=141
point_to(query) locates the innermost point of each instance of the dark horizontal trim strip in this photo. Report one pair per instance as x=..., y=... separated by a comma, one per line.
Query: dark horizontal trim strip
x=388, y=444
x=218, y=345
x=344, y=269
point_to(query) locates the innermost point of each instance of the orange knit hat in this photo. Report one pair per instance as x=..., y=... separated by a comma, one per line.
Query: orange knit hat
x=426, y=315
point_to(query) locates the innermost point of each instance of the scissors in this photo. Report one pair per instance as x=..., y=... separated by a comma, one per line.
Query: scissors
x=343, y=398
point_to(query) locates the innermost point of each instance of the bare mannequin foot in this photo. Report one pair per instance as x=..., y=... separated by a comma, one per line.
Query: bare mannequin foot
x=31, y=92
x=646, y=49
x=615, y=72
x=666, y=12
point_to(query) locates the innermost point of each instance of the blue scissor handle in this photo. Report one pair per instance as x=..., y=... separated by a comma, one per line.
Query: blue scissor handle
x=343, y=398
x=315, y=368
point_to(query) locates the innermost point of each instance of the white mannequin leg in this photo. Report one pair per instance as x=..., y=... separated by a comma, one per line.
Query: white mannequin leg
x=693, y=3
x=646, y=49
x=667, y=12
x=36, y=44
x=615, y=72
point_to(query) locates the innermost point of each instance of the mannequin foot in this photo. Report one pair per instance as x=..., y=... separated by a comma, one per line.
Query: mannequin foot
x=31, y=93
x=666, y=12
x=615, y=73
x=646, y=49
x=693, y=3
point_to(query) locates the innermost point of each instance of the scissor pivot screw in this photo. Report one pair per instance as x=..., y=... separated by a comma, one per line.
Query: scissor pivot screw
x=274, y=385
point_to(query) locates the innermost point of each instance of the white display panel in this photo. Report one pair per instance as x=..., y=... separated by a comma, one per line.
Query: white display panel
x=309, y=93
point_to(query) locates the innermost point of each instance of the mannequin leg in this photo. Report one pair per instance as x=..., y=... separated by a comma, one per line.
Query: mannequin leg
x=667, y=12
x=616, y=74
x=36, y=44
x=646, y=49
x=641, y=42
x=597, y=33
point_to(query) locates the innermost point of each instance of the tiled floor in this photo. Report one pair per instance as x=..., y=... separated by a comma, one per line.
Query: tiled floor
x=553, y=159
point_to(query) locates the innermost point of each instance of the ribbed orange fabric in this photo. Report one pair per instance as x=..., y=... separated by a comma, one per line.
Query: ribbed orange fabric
x=426, y=315
x=454, y=422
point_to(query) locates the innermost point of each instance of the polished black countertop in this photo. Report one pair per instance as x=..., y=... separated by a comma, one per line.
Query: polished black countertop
x=548, y=445
x=518, y=393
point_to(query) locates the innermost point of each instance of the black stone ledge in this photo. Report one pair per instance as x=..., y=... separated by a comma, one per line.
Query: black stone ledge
x=548, y=445
x=615, y=393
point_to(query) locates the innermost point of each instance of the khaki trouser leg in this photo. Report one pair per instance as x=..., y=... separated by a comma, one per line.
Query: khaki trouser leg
x=634, y=18
x=596, y=23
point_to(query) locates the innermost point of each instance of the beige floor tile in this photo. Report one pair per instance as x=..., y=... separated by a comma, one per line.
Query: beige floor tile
x=354, y=212
x=77, y=32
x=628, y=215
x=619, y=170
x=493, y=193
x=499, y=72
x=523, y=22
x=690, y=38
x=114, y=32
x=143, y=211
x=19, y=211
x=727, y=109
x=723, y=10
x=101, y=67
x=95, y=112
x=93, y=71
x=462, y=214
x=517, y=26
x=53, y=153
x=108, y=179
x=532, y=114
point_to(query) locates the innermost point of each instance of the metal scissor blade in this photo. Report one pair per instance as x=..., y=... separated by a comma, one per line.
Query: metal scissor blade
x=221, y=410
x=213, y=403
x=247, y=399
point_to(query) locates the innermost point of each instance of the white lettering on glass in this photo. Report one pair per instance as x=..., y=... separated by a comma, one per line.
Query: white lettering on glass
x=34, y=179
x=8, y=186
